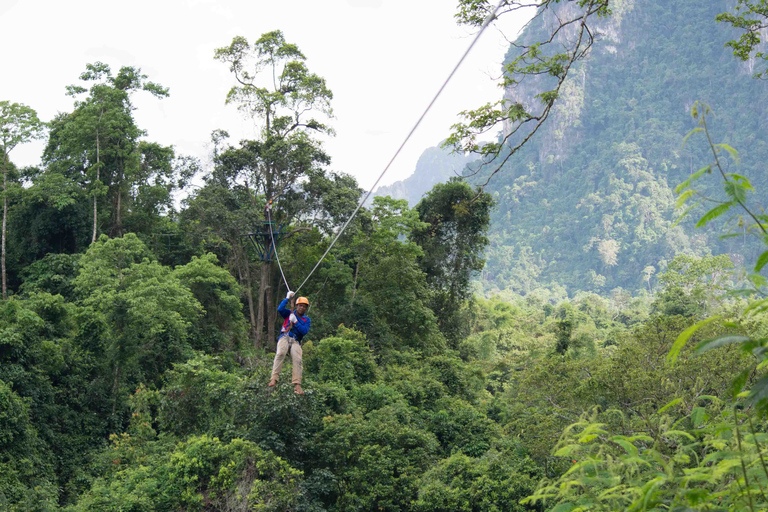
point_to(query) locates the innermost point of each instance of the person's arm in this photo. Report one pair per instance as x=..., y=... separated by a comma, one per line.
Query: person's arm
x=302, y=326
x=283, y=310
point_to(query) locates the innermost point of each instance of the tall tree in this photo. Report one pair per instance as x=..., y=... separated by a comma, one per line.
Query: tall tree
x=18, y=124
x=97, y=143
x=453, y=241
x=286, y=149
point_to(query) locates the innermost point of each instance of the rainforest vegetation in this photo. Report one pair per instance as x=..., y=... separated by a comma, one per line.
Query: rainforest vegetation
x=139, y=318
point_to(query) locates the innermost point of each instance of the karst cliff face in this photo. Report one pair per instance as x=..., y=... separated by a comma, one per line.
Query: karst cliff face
x=588, y=203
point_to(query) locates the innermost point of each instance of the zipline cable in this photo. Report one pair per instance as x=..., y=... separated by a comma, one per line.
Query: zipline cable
x=274, y=245
x=487, y=22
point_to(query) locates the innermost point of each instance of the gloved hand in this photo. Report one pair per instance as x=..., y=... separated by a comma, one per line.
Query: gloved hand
x=289, y=294
x=293, y=318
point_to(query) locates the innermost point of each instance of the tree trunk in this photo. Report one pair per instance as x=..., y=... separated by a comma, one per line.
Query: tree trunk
x=260, y=301
x=95, y=195
x=5, y=217
x=249, y=295
x=271, y=310
x=354, y=284
x=119, y=219
x=117, y=200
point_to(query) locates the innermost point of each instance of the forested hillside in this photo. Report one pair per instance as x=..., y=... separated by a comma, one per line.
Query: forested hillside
x=138, y=333
x=588, y=203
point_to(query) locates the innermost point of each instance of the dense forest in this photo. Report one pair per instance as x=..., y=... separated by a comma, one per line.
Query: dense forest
x=139, y=317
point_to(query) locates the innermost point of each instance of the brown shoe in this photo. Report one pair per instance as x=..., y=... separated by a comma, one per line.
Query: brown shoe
x=272, y=383
x=298, y=390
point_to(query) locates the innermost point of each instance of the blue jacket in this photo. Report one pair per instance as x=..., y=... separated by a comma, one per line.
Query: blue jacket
x=301, y=328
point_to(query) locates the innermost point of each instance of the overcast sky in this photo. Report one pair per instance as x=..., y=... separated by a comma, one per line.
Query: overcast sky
x=383, y=60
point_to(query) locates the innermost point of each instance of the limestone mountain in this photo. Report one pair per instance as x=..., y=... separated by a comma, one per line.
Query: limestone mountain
x=435, y=165
x=588, y=203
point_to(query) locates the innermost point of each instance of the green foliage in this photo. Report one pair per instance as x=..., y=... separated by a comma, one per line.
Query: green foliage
x=198, y=473
x=97, y=147
x=587, y=202
x=693, y=286
x=126, y=382
x=296, y=90
x=344, y=359
x=711, y=459
x=222, y=325
x=461, y=428
x=200, y=397
x=492, y=483
x=537, y=58
x=18, y=124
x=53, y=274
x=751, y=17
x=390, y=280
x=146, y=310
x=26, y=482
x=376, y=460
x=452, y=242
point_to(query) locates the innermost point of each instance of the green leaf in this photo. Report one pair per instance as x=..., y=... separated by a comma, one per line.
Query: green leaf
x=688, y=135
x=684, y=214
x=757, y=306
x=670, y=404
x=628, y=447
x=683, y=198
x=759, y=391
x=707, y=345
x=761, y=261
x=714, y=213
x=569, y=450
x=685, y=335
x=734, y=154
x=737, y=385
x=757, y=280
x=698, y=416
x=742, y=179
x=680, y=433
x=736, y=191
x=693, y=177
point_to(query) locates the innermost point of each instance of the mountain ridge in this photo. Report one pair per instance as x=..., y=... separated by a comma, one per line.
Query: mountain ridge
x=588, y=203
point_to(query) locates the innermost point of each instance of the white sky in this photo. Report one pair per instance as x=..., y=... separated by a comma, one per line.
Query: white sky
x=383, y=59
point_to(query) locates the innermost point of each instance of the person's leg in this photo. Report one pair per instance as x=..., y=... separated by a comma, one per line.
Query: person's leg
x=298, y=366
x=277, y=365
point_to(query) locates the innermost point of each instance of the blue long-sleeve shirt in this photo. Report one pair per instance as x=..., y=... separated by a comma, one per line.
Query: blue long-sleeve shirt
x=300, y=328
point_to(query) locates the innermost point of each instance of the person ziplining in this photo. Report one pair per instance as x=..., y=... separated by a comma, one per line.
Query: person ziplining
x=296, y=324
x=295, y=327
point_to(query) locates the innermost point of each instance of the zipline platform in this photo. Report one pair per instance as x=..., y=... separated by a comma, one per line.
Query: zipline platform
x=265, y=239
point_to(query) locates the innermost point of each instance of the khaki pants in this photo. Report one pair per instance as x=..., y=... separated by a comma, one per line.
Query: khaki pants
x=284, y=345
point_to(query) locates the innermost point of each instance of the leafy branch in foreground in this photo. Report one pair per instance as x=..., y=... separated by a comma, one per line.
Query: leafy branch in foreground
x=703, y=455
x=550, y=58
x=751, y=16
x=736, y=187
x=710, y=459
x=753, y=221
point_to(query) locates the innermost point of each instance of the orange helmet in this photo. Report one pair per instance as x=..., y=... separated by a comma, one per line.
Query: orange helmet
x=302, y=300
